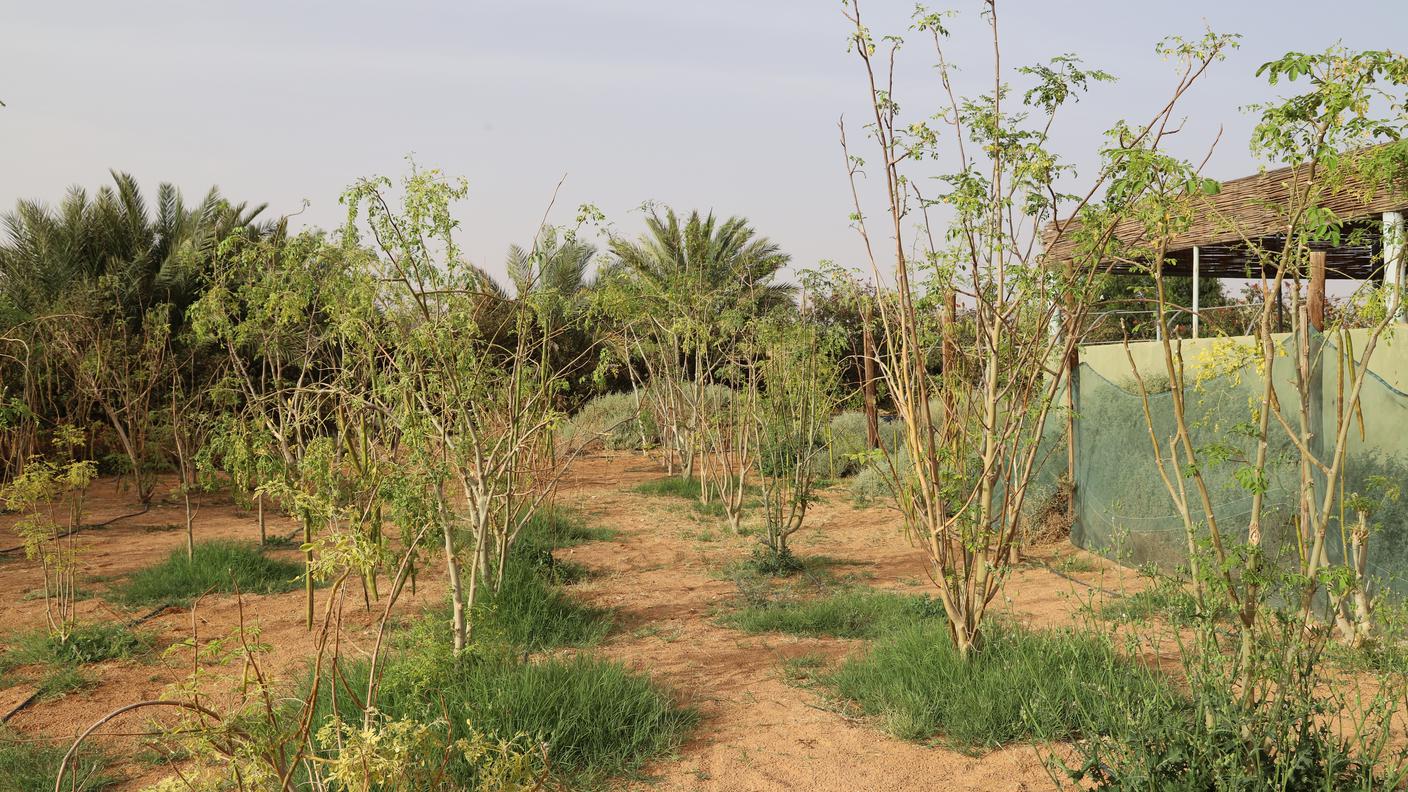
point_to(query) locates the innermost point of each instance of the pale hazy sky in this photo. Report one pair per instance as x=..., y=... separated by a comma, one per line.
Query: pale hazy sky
x=727, y=105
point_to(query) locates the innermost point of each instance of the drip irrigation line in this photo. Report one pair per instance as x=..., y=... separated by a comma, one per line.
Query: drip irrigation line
x=15, y=709
x=1073, y=579
x=145, y=508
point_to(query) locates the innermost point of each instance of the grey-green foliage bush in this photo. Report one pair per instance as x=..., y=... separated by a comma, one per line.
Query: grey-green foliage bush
x=871, y=477
x=875, y=481
x=848, y=440
x=614, y=420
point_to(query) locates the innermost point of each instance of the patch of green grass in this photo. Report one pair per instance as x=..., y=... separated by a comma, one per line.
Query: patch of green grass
x=1023, y=683
x=850, y=613
x=1076, y=564
x=26, y=766
x=63, y=680
x=703, y=535
x=90, y=643
x=1165, y=600
x=550, y=529
x=61, y=662
x=79, y=595
x=532, y=613
x=818, y=570
x=689, y=489
x=553, y=529
x=804, y=670
x=676, y=486
x=222, y=567
x=1386, y=654
x=598, y=718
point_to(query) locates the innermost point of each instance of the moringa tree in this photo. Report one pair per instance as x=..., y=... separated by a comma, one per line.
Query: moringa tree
x=976, y=445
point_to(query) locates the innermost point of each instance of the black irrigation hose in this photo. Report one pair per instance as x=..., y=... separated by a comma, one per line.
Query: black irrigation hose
x=145, y=508
x=152, y=614
x=1058, y=573
x=30, y=699
x=15, y=710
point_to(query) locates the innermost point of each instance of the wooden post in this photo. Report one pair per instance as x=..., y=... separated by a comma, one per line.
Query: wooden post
x=1197, y=289
x=872, y=413
x=1315, y=299
x=1393, y=236
x=1072, y=383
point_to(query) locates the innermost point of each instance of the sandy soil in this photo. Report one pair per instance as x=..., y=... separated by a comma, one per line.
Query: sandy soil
x=663, y=573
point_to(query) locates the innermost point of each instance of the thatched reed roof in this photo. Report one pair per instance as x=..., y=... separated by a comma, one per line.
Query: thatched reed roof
x=1253, y=207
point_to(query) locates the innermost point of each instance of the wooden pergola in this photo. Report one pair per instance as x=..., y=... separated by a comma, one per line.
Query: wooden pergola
x=1248, y=215
x=1230, y=231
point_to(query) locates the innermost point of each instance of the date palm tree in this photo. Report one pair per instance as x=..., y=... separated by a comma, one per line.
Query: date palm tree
x=111, y=244
x=705, y=264
x=94, y=292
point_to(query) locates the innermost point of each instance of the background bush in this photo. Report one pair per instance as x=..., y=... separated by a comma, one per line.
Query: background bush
x=612, y=420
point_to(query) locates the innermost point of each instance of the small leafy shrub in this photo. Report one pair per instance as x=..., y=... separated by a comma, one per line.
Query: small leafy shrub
x=410, y=756
x=853, y=613
x=774, y=562
x=1022, y=684
x=1300, y=730
x=222, y=567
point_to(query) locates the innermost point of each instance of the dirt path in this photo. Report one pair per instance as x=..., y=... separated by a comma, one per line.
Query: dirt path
x=757, y=732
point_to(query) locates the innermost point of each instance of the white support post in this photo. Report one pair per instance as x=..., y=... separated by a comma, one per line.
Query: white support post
x=1393, y=236
x=1196, y=285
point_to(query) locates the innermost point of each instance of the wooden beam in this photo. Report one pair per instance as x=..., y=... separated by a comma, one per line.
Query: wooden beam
x=1315, y=300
